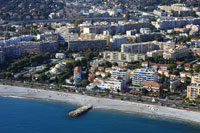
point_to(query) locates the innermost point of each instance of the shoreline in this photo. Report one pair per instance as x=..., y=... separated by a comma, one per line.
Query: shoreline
x=100, y=103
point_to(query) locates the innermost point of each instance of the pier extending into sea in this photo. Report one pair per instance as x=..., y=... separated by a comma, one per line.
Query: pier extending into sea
x=80, y=111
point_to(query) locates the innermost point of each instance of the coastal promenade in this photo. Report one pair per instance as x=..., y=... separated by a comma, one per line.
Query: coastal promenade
x=101, y=103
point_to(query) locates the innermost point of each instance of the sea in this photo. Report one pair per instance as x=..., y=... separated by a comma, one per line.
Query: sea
x=21, y=115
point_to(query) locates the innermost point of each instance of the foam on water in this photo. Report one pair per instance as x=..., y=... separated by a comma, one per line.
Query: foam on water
x=15, y=97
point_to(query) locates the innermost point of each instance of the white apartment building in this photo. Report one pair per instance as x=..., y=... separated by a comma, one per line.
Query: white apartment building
x=58, y=68
x=119, y=73
x=111, y=84
x=60, y=56
x=117, y=41
x=159, y=13
x=139, y=47
x=145, y=30
x=141, y=75
x=114, y=56
x=174, y=83
x=177, y=53
x=193, y=90
x=131, y=32
x=155, y=53
x=16, y=40
x=115, y=85
x=175, y=7
x=170, y=23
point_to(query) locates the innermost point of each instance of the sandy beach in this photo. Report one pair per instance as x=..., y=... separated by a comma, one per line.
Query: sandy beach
x=100, y=103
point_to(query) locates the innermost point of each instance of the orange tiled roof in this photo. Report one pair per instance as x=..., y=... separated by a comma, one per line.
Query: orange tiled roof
x=182, y=78
x=178, y=62
x=187, y=64
x=147, y=83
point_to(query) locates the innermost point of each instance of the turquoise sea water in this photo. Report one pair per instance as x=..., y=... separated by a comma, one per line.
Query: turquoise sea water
x=36, y=116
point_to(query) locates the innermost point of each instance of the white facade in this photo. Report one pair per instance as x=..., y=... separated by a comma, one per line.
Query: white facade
x=177, y=53
x=170, y=23
x=60, y=56
x=111, y=84
x=115, y=85
x=145, y=30
x=117, y=73
x=141, y=75
x=117, y=41
x=131, y=32
x=139, y=47
x=174, y=83
x=121, y=57
x=155, y=53
x=16, y=40
x=58, y=68
x=86, y=30
x=159, y=13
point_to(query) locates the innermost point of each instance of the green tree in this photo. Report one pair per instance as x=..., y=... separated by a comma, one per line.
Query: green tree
x=172, y=67
x=118, y=32
x=89, y=55
x=49, y=27
x=198, y=99
x=65, y=75
x=114, y=64
x=43, y=77
x=78, y=21
x=162, y=79
x=188, y=80
x=84, y=82
x=107, y=64
x=77, y=63
x=197, y=69
x=69, y=66
x=175, y=72
x=84, y=62
x=191, y=71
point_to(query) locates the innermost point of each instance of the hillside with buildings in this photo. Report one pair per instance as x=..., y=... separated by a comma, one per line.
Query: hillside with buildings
x=51, y=9
x=28, y=9
x=134, y=54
